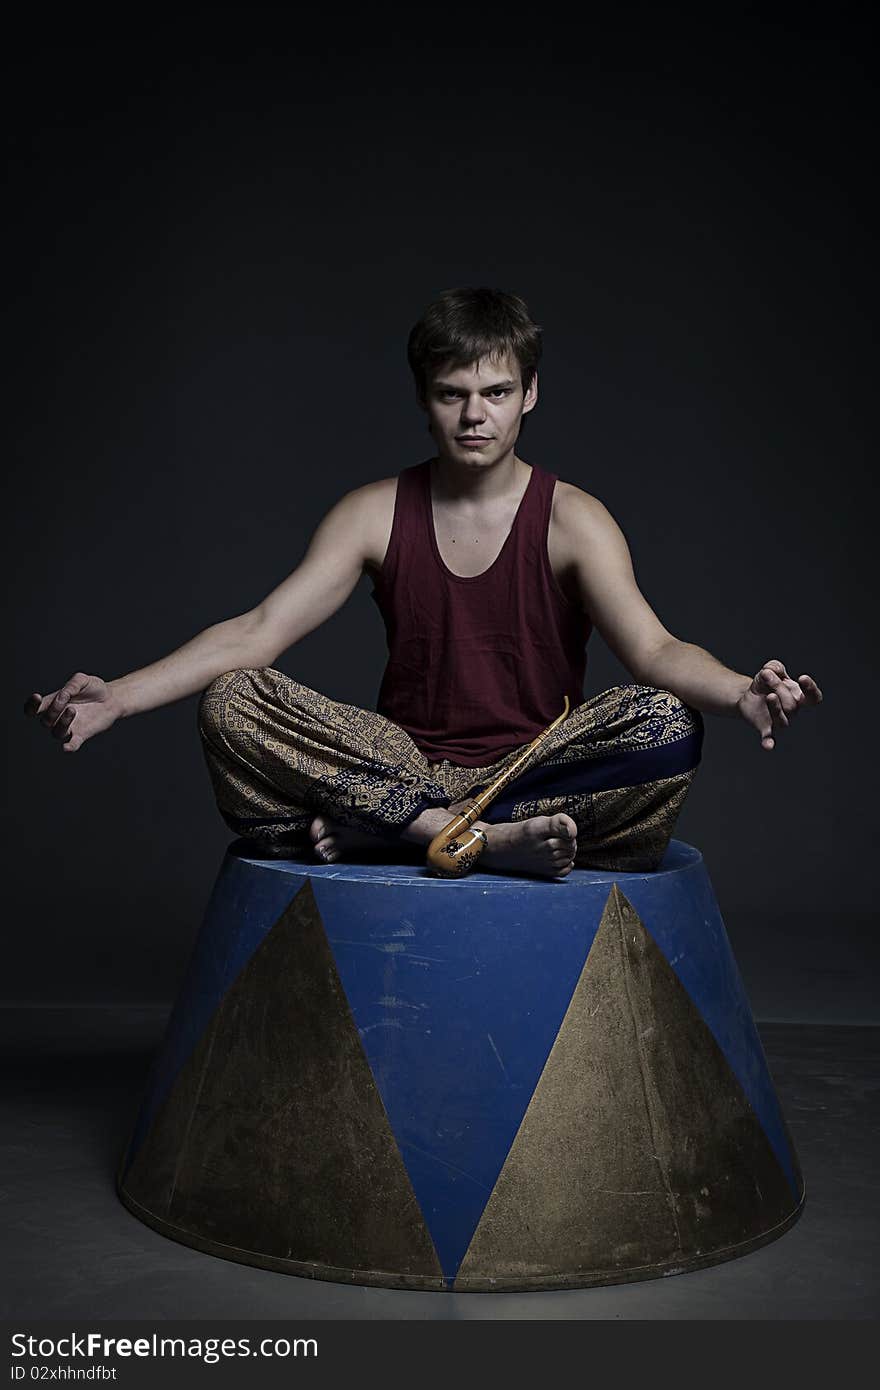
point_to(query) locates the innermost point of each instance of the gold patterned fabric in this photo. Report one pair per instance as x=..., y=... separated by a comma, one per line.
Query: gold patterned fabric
x=278, y=753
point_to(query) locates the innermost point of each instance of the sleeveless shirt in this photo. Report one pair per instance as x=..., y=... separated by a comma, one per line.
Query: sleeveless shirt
x=477, y=665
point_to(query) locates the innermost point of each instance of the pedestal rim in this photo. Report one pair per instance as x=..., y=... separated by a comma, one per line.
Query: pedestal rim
x=685, y=858
x=389, y=1279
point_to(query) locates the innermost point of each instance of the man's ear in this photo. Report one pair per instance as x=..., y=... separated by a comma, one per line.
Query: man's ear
x=530, y=399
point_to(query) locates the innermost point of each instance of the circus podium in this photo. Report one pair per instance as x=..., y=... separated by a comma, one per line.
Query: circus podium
x=378, y=1076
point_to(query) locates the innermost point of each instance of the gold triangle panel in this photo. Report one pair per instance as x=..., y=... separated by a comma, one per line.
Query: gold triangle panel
x=639, y=1153
x=274, y=1147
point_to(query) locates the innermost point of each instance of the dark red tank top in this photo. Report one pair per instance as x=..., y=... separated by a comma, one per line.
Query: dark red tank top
x=477, y=666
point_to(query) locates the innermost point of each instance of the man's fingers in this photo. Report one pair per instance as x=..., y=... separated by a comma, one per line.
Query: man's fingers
x=776, y=667
x=766, y=680
x=769, y=678
x=766, y=683
x=77, y=684
x=63, y=723
x=777, y=711
x=782, y=697
x=36, y=704
x=786, y=693
x=53, y=709
x=763, y=722
x=789, y=695
x=810, y=689
x=69, y=691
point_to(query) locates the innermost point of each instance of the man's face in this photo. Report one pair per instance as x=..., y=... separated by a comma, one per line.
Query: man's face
x=484, y=403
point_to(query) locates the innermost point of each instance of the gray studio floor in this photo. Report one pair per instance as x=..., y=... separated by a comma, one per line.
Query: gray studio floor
x=72, y=1084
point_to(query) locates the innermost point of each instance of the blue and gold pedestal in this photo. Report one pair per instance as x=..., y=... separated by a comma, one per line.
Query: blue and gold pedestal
x=377, y=1076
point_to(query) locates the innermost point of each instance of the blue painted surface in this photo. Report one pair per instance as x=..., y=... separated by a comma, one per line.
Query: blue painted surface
x=248, y=898
x=458, y=988
x=458, y=992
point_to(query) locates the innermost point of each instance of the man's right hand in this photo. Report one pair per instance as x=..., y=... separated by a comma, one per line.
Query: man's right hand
x=84, y=706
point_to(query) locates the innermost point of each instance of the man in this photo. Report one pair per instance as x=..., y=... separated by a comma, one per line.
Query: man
x=490, y=574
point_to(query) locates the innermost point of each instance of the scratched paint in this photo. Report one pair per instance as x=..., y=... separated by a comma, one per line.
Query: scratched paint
x=498, y=1055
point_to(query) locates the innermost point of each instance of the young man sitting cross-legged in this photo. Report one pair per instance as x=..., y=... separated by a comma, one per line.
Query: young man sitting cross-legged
x=490, y=573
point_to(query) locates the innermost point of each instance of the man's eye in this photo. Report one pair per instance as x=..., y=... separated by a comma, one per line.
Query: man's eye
x=497, y=391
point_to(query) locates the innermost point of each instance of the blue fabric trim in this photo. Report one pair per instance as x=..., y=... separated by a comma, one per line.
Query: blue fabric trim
x=630, y=769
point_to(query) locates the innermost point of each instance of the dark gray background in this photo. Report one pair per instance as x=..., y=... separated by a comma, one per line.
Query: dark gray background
x=220, y=243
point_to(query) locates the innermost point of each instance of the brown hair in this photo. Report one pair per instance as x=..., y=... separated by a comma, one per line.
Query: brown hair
x=465, y=325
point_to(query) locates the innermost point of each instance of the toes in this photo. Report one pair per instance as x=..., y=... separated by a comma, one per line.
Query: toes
x=326, y=848
x=563, y=845
x=318, y=829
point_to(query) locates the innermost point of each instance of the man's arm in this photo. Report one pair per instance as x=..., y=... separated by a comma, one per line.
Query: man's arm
x=86, y=705
x=593, y=549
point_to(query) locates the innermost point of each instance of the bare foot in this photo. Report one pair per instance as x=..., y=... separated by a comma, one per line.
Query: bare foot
x=544, y=845
x=332, y=841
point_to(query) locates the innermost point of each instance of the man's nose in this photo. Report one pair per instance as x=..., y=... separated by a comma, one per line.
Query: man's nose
x=474, y=409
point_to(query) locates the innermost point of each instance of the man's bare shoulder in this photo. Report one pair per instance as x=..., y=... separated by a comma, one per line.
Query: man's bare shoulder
x=583, y=541
x=379, y=491
x=576, y=513
x=371, y=507
x=568, y=495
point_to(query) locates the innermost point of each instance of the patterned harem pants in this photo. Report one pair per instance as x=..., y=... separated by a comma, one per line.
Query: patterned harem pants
x=278, y=753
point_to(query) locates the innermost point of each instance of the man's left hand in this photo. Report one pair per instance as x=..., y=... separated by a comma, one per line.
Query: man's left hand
x=773, y=698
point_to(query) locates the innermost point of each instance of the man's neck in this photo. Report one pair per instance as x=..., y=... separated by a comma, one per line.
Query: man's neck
x=453, y=482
